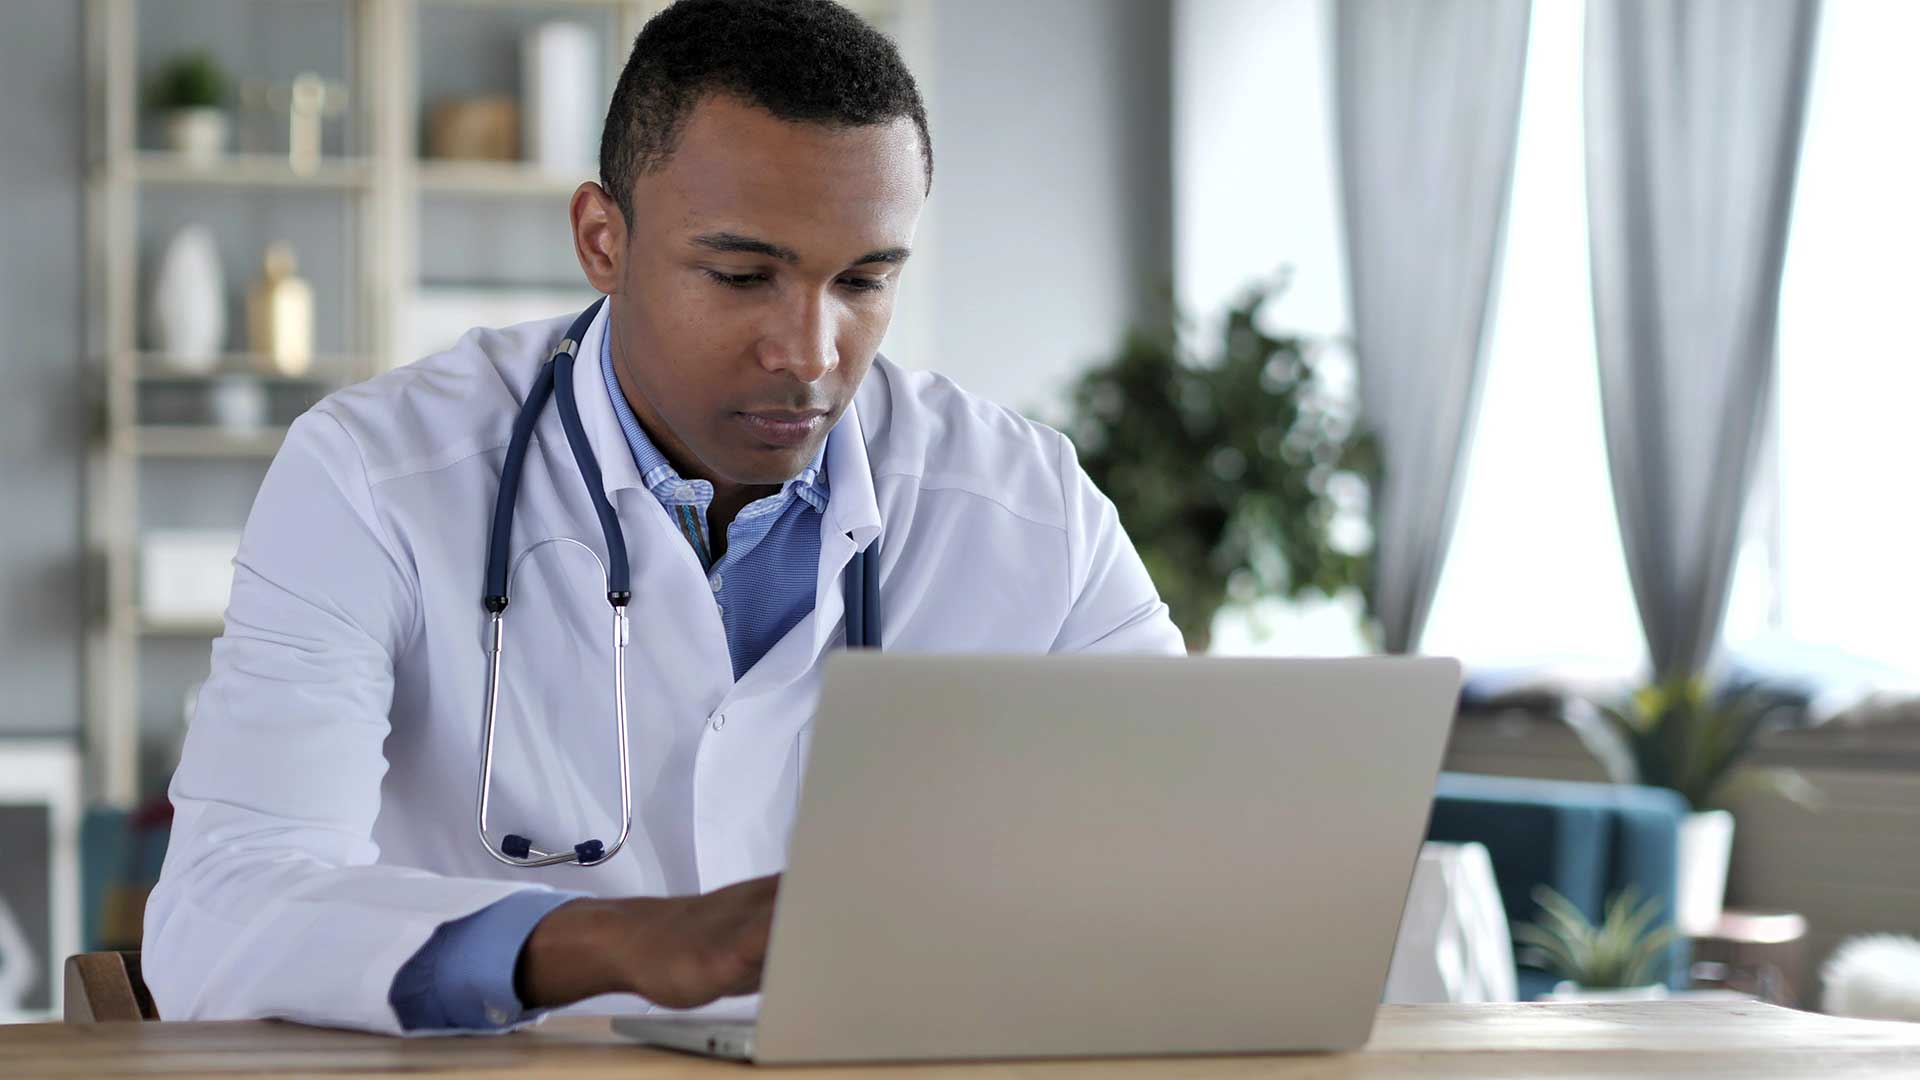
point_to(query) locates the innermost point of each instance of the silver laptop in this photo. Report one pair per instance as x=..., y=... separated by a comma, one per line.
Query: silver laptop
x=1011, y=857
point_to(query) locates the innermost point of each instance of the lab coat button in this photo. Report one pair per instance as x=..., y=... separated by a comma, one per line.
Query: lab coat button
x=719, y=721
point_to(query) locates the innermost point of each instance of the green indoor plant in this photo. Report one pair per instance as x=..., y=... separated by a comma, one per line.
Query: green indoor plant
x=1626, y=951
x=1679, y=734
x=191, y=92
x=1229, y=469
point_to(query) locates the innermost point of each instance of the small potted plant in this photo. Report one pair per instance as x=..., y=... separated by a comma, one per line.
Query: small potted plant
x=1677, y=734
x=1618, y=960
x=191, y=92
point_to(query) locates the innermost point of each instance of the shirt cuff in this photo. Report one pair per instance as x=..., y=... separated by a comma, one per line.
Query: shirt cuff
x=462, y=978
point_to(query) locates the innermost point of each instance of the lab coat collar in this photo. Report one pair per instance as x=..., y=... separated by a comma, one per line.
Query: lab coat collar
x=852, y=523
x=853, y=508
x=609, y=443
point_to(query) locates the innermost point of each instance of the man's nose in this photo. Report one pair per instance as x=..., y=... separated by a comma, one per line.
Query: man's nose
x=803, y=344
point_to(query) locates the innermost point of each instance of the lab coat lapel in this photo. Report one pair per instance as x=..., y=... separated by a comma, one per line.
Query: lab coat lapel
x=850, y=524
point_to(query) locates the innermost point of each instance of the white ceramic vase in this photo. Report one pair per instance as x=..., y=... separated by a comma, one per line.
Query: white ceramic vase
x=187, y=311
x=561, y=97
x=198, y=134
x=1705, y=848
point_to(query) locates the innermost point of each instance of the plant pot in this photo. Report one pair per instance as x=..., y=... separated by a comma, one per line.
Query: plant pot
x=198, y=134
x=1705, y=847
x=1571, y=991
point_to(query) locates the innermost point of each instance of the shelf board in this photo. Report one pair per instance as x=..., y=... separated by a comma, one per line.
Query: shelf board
x=493, y=178
x=250, y=170
x=179, y=625
x=182, y=441
x=207, y=626
x=329, y=370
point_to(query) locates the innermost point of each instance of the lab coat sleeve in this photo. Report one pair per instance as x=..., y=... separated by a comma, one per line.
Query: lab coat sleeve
x=1112, y=604
x=269, y=903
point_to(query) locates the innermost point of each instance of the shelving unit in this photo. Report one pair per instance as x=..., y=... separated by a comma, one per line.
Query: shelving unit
x=386, y=192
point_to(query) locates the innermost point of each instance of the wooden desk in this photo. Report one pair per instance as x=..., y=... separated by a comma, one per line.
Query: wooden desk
x=1642, y=1041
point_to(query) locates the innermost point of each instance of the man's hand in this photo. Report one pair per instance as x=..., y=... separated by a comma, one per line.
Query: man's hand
x=677, y=952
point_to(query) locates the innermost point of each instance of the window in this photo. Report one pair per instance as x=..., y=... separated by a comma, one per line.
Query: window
x=1536, y=573
x=1838, y=563
x=1829, y=561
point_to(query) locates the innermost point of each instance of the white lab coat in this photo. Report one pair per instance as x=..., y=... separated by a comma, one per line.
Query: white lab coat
x=324, y=803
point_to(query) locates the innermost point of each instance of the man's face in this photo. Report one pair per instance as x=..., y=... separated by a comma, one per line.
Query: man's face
x=758, y=278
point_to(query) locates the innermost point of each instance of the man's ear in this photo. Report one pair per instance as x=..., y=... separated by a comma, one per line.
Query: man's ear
x=599, y=236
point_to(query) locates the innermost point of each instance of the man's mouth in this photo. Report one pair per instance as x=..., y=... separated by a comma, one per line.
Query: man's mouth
x=782, y=427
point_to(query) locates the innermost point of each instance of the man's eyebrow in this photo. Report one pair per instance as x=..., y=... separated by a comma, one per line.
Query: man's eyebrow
x=884, y=255
x=735, y=244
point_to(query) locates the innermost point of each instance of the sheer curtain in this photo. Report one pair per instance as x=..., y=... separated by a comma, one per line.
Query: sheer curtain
x=1426, y=98
x=1694, y=114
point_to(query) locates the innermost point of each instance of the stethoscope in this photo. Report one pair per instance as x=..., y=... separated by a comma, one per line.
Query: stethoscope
x=555, y=379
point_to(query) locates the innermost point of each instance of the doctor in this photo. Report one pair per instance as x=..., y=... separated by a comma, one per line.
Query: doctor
x=763, y=167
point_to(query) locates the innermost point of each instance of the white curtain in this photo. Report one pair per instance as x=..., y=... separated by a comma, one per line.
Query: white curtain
x=1428, y=99
x=1694, y=113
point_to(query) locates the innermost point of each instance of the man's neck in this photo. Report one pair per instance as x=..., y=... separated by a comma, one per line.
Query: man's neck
x=728, y=498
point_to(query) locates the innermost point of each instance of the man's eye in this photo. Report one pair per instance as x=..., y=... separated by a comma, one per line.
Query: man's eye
x=737, y=281
x=864, y=284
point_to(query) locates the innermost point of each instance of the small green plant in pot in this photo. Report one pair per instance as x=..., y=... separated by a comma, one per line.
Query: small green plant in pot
x=191, y=92
x=1626, y=952
x=1677, y=734
x=1233, y=471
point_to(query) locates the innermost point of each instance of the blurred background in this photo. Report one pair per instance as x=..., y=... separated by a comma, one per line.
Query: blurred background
x=1565, y=338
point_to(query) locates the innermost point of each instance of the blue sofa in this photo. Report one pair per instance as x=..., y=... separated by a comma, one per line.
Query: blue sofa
x=1589, y=841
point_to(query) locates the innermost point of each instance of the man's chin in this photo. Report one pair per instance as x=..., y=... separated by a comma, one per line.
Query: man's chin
x=762, y=466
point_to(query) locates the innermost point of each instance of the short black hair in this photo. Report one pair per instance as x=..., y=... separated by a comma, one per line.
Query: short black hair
x=801, y=60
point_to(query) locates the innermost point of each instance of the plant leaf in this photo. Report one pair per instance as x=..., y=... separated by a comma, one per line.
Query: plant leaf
x=1624, y=950
x=1756, y=782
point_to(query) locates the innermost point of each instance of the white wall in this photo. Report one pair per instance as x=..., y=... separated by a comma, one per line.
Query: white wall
x=1255, y=180
x=42, y=416
x=1048, y=231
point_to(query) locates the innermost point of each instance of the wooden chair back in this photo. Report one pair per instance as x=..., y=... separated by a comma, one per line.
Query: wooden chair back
x=104, y=986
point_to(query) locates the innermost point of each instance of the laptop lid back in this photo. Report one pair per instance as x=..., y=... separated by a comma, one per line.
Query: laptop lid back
x=1083, y=855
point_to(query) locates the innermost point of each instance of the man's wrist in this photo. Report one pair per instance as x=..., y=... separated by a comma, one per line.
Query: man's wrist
x=572, y=955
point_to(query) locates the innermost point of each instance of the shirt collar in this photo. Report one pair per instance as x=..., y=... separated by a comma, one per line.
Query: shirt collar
x=659, y=476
